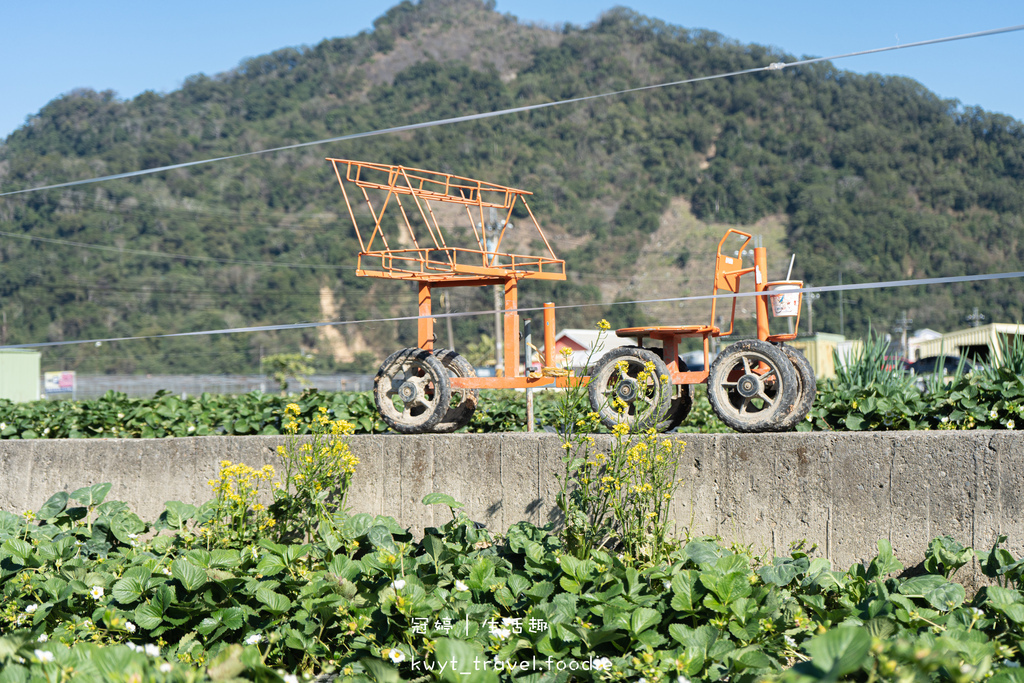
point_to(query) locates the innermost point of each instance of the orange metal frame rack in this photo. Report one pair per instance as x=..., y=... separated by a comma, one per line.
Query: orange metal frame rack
x=432, y=262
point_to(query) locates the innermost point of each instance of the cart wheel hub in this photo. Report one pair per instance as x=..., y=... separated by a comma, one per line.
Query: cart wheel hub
x=407, y=392
x=627, y=390
x=748, y=386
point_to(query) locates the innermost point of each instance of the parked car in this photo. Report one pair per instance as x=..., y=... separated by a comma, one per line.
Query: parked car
x=924, y=369
x=927, y=366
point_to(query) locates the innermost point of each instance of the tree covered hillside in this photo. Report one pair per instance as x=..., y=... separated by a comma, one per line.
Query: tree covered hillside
x=871, y=176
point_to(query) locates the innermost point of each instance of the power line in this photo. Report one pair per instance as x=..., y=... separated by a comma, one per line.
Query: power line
x=306, y=325
x=776, y=66
x=163, y=254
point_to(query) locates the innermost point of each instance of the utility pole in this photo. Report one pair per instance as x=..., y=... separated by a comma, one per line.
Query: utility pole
x=809, y=297
x=842, y=326
x=901, y=326
x=448, y=320
x=974, y=320
x=493, y=229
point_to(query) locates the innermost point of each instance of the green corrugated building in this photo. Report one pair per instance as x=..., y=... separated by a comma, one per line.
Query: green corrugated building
x=19, y=375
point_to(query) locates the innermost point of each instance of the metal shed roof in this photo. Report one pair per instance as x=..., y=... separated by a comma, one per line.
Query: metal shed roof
x=987, y=335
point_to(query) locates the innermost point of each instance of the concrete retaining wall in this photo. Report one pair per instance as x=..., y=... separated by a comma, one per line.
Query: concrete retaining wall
x=840, y=491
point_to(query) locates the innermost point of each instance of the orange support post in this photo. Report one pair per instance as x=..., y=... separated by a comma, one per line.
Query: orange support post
x=511, y=328
x=549, y=334
x=425, y=325
x=761, y=285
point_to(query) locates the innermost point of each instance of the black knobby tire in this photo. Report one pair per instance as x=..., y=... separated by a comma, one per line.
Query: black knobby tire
x=463, y=401
x=411, y=391
x=752, y=386
x=682, y=399
x=645, y=398
x=807, y=386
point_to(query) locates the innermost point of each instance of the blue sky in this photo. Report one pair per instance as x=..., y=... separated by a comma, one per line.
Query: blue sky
x=49, y=48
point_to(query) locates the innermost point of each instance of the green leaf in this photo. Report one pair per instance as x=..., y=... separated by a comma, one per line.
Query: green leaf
x=275, y=602
x=518, y=583
x=751, y=658
x=782, y=571
x=917, y=586
x=380, y=672
x=884, y=563
x=177, y=513
x=685, y=597
x=441, y=499
x=728, y=588
x=541, y=590
x=130, y=588
x=434, y=546
x=191, y=577
x=854, y=422
x=481, y=572
x=643, y=619
x=91, y=495
x=149, y=616
x=54, y=506
x=504, y=597
x=946, y=597
x=380, y=537
x=839, y=651
x=464, y=662
x=232, y=617
x=18, y=548
x=702, y=552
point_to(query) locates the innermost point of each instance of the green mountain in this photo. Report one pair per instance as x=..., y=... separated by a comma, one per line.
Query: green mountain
x=867, y=178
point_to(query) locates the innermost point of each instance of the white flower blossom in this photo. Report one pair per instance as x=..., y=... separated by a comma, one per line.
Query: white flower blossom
x=601, y=664
x=166, y=571
x=460, y=585
x=1010, y=424
x=254, y=639
x=31, y=608
x=3, y=425
x=667, y=584
x=43, y=638
x=129, y=626
x=165, y=668
x=191, y=428
x=152, y=649
x=790, y=641
x=993, y=414
x=500, y=633
x=290, y=678
x=398, y=585
x=43, y=655
x=396, y=656
x=682, y=679
x=96, y=592
x=46, y=431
